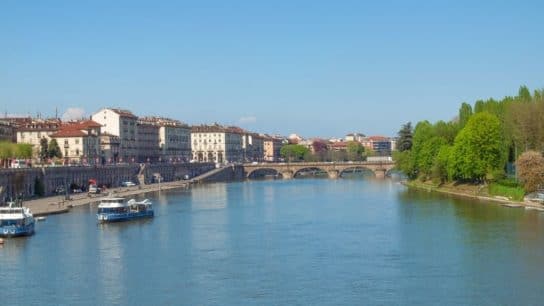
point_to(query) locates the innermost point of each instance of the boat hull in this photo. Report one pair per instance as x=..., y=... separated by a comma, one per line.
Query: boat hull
x=120, y=217
x=16, y=231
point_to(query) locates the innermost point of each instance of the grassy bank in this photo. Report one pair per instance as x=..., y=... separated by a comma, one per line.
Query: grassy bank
x=494, y=191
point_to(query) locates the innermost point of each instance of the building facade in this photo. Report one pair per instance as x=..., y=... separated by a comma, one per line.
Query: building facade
x=7, y=131
x=174, y=139
x=272, y=148
x=79, y=142
x=123, y=124
x=216, y=143
x=31, y=131
x=379, y=144
x=253, y=146
x=109, y=148
x=147, y=141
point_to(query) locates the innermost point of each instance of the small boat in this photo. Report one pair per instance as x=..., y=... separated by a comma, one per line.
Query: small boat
x=42, y=218
x=118, y=209
x=16, y=221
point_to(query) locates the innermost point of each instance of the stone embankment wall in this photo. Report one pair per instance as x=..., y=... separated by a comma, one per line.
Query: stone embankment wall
x=225, y=174
x=32, y=182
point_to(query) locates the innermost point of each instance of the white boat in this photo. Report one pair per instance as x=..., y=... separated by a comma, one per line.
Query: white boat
x=16, y=221
x=118, y=209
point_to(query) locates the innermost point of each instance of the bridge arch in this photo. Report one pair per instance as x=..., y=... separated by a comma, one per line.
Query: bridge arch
x=310, y=170
x=359, y=169
x=255, y=173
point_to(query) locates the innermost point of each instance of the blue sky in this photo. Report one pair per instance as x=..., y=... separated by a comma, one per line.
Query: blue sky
x=316, y=68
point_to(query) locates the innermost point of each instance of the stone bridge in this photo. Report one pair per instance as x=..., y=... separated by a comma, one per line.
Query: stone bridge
x=334, y=169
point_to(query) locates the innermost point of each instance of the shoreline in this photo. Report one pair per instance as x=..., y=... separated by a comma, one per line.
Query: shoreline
x=497, y=200
x=59, y=205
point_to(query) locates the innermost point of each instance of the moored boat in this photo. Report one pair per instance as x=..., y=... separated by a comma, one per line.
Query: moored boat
x=16, y=221
x=118, y=209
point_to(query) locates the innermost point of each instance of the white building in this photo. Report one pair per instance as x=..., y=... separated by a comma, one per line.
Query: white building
x=79, y=141
x=120, y=123
x=216, y=143
x=174, y=139
x=31, y=131
x=355, y=137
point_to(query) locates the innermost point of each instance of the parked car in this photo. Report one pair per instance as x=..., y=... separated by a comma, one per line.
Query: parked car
x=19, y=163
x=186, y=177
x=94, y=189
x=60, y=190
x=77, y=190
x=128, y=184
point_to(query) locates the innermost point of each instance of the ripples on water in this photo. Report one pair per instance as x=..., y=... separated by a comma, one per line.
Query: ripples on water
x=326, y=242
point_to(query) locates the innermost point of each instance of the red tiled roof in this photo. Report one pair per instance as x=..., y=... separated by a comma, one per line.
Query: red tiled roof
x=377, y=138
x=69, y=133
x=81, y=125
x=340, y=144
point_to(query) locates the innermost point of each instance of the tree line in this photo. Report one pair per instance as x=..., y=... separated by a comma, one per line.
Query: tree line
x=320, y=151
x=483, y=143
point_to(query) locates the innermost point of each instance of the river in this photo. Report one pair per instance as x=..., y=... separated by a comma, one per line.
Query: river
x=295, y=242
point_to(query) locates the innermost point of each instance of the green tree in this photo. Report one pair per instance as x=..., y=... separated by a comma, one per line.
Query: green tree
x=427, y=155
x=405, y=137
x=446, y=131
x=405, y=163
x=478, y=148
x=22, y=150
x=439, y=171
x=54, y=149
x=355, y=150
x=465, y=112
x=44, y=153
x=422, y=133
x=294, y=152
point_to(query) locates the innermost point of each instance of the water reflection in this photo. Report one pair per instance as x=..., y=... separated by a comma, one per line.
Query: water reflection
x=111, y=262
x=314, y=241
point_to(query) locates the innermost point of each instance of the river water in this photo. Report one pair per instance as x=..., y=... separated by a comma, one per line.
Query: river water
x=297, y=242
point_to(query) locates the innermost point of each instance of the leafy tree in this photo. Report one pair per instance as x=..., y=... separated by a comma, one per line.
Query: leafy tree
x=524, y=94
x=6, y=152
x=54, y=149
x=465, y=112
x=427, y=155
x=446, y=131
x=22, y=150
x=439, y=171
x=294, y=152
x=320, y=149
x=405, y=137
x=405, y=163
x=422, y=133
x=530, y=170
x=44, y=153
x=478, y=148
x=355, y=150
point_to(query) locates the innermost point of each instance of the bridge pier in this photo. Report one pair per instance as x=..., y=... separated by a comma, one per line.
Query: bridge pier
x=333, y=174
x=287, y=175
x=380, y=173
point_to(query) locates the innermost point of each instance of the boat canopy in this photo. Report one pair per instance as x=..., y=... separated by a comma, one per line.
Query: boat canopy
x=112, y=203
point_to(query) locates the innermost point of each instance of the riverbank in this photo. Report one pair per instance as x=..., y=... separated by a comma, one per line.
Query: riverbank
x=59, y=204
x=478, y=192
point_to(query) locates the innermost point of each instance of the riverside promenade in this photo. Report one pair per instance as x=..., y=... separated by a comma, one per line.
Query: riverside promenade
x=59, y=204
